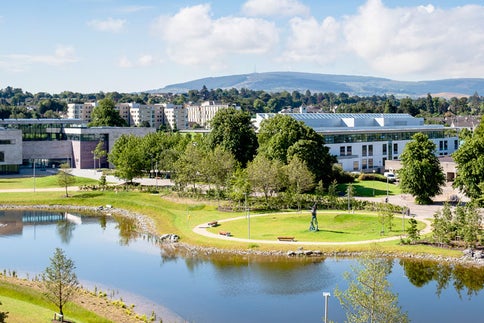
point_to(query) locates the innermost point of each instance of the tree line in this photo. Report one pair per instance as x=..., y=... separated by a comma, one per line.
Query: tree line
x=232, y=161
x=15, y=103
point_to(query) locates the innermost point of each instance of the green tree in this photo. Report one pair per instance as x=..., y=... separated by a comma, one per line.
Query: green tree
x=300, y=178
x=60, y=280
x=218, y=166
x=442, y=229
x=281, y=137
x=265, y=175
x=470, y=164
x=188, y=167
x=239, y=185
x=421, y=174
x=233, y=131
x=105, y=114
x=368, y=297
x=99, y=152
x=65, y=178
x=412, y=231
x=127, y=156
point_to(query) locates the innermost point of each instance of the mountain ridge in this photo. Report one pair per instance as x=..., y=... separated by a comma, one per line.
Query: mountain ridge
x=314, y=82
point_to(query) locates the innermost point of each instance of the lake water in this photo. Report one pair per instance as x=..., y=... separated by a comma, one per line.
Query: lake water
x=221, y=289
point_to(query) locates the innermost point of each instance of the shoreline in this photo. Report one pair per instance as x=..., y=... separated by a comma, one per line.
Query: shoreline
x=147, y=227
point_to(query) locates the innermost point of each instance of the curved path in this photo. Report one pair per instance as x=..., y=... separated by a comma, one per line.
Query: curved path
x=201, y=229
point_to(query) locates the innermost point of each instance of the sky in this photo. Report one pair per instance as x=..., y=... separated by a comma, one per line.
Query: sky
x=89, y=46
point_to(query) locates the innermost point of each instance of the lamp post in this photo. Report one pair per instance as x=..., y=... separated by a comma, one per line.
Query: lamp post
x=387, y=191
x=373, y=183
x=326, y=295
x=248, y=216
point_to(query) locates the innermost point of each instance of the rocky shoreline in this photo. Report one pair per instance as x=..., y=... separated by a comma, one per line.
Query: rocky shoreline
x=170, y=244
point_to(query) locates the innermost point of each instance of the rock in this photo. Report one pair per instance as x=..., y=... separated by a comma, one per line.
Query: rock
x=468, y=253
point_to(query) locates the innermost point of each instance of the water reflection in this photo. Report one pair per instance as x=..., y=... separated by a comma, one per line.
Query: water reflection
x=211, y=287
x=466, y=280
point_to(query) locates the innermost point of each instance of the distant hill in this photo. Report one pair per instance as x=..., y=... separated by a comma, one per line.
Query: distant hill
x=353, y=85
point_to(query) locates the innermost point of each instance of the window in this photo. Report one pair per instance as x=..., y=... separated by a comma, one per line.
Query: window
x=370, y=163
x=364, y=150
x=370, y=150
x=356, y=165
x=342, y=151
x=441, y=145
x=384, y=149
x=395, y=149
x=445, y=145
x=456, y=144
x=364, y=164
x=2, y=156
x=349, y=151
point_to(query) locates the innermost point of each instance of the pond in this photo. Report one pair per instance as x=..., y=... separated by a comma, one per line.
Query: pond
x=220, y=289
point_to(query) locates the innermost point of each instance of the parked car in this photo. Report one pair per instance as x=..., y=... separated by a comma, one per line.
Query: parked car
x=390, y=176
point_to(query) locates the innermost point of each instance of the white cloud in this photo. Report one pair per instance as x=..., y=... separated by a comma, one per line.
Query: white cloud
x=109, y=25
x=145, y=60
x=193, y=37
x=313, y=41
x=142, y=61
x=403, y=42
x=22, y=62
x=289, y=8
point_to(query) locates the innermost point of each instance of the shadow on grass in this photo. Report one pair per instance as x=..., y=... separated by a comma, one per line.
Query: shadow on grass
x=85, y=195
x=332, y=231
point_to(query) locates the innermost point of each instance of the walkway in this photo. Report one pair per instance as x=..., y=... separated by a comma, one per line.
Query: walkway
x=201, y=229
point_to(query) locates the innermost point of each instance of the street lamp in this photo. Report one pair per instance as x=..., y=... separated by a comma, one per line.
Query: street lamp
x=373, y=183
x=326, y=295
x=387, y=191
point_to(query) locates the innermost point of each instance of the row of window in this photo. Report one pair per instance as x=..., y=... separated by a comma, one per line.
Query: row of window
x=382, y=136
x=367, y=150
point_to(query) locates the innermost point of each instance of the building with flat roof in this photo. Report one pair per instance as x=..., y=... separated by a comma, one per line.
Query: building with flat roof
x=365, y=141
x=48, y=143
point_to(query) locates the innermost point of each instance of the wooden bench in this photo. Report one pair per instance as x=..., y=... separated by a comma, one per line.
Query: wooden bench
x=225, y=233
x=286, y=239
x=212, y=224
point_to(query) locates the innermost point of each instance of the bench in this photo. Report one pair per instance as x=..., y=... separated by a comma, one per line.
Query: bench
x=286, y=239
x=225, y=233
x=212, y=224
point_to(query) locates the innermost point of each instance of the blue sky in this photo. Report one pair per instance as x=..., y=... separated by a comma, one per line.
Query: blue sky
x=134, y=45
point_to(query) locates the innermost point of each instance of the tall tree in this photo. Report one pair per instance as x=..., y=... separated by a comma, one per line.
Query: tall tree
x=470, y=164
x=127, y=156
x=265, y=175
x=368, y=297
x=282, y=137
x=421, y=174
x=99, y=152
x=105, y=114
x=65, y=178
x=232, y=130
x=60, y=280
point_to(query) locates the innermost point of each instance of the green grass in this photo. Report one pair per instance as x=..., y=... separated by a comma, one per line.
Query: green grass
x=333, y=227
x=372, y=188
x=40, y=182
x=26, y=304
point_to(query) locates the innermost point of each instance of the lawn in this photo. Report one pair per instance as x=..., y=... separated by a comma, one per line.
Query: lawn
x=40, y=182
x=333, y=227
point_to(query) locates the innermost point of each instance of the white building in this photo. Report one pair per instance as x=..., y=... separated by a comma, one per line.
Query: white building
x=10, y=150
x=80, y=111
x=364, y=141
x=175, y=116
x=203, y=113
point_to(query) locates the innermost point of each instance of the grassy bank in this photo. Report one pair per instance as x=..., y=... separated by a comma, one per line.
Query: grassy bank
x=24, y=301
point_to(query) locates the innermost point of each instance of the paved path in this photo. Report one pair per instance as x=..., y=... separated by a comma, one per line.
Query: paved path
x=201, y=229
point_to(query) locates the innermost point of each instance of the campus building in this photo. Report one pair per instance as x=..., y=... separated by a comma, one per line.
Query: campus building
x=364, y=142
x=202, y=114
x=48, y=143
